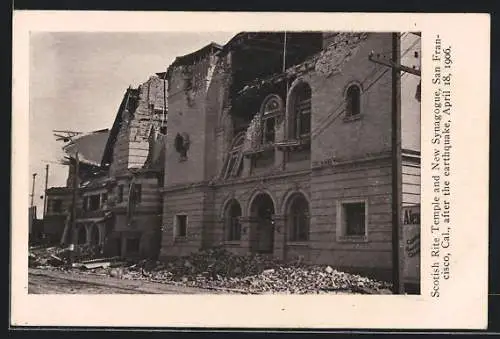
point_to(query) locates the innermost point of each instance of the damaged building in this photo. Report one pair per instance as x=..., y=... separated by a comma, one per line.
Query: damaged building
x=120, y=171
x=280, y=144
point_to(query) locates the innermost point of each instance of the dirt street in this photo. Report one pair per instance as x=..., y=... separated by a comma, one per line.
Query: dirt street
x=42, y=281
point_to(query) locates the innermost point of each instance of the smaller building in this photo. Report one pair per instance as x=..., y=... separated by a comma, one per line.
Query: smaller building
x=118, y=202
x=57, y=213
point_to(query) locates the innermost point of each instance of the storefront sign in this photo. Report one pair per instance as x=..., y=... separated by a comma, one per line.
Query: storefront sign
x=411, y=238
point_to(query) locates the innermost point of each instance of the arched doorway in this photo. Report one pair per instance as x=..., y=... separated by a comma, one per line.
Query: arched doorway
x=262, y=230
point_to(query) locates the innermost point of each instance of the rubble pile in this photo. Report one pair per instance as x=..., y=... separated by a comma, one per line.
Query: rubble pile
x=60, y=256
x=219, y=269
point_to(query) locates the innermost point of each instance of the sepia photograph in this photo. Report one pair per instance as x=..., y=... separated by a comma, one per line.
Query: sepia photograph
x=250, y=170
x=247, y=162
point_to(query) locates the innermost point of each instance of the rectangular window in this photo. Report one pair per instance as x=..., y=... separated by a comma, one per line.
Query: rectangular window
x=180, y=226
x=354, y=219
x=94, y=202
x=119, y=194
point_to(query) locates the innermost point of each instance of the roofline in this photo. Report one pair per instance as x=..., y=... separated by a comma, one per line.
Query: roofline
x=108, y=149
x=185, y=59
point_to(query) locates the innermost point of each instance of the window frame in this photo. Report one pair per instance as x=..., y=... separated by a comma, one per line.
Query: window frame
x=298, y=113
x=92, y=198
x=176, y=226
x=341, y=227
x=267, y=115
x=349, y=116
x=59, y=203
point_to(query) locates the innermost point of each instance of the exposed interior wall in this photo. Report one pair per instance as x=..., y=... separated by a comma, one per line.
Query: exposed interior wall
x=148, y=115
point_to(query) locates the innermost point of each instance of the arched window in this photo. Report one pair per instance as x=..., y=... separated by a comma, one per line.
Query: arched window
x=271, y=109
x=301, y=112
x=232, y=217
x=353, y=101
x=298, y=218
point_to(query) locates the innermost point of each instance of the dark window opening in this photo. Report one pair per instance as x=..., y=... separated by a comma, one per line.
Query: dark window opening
x=271, y=110
x=181, y=226
x=354, y=219
x=119, y=195
x=232, y=220
x=301, y=112
x=353, y=100
x=163, y=130
x=94, y=202
x=268, y=130
x=299, y=219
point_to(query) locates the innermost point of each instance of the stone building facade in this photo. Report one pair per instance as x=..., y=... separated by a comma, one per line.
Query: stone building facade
x=288, y=154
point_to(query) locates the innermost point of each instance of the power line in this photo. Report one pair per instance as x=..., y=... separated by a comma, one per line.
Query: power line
x=320, y=128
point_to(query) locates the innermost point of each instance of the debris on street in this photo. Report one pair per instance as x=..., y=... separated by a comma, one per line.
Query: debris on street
x=218, y=269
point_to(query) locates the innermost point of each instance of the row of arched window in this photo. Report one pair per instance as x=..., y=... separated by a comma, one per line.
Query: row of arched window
x=299, y=123
x=296, y=219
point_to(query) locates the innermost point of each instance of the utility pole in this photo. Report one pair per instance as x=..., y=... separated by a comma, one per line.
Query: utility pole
x=397, y=177
x=397, y=253
x=33, y=189
x=46, y=186
x=76, y=183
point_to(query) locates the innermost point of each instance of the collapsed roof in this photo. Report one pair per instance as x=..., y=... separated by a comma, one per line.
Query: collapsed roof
x=90, y=147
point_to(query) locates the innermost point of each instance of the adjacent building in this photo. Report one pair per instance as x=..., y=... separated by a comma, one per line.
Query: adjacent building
x=120, y=172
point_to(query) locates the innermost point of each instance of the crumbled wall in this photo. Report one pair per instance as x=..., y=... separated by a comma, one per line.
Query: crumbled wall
x=147, y=116
x=192, y=108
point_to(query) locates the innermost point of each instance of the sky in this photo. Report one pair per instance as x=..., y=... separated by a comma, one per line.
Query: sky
x=77, y=80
